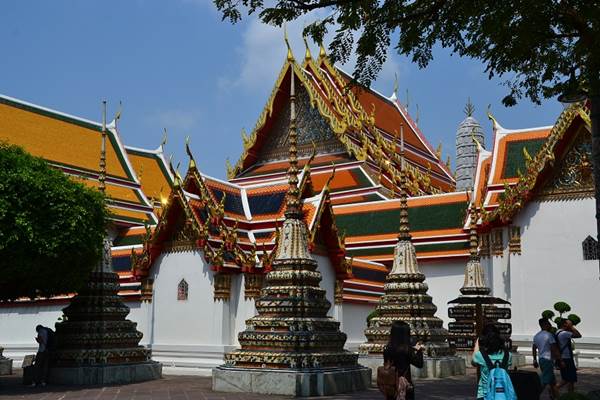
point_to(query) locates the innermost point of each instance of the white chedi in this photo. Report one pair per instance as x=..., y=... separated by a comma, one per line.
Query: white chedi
x=405, y=258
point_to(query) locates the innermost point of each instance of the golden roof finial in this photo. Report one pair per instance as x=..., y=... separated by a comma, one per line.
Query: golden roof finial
x=189, y=152
x=163, y=141
x=404, y=233
x=173, y=172
x=322, y=52
x=307, y=54
x=230, y=169
x=290, y=55
x=491, y=117
x=438, y=151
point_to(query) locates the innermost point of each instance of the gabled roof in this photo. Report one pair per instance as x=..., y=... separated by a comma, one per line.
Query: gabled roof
x=72, y=144
x=517, y=174
x=236, y=226
x=368, y=136
x=152, y=171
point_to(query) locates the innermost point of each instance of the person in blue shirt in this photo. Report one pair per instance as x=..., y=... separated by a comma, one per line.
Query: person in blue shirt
x=492, y=344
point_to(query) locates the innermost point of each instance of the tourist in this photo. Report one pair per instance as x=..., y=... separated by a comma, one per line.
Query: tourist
x=544, y=345
x=401, y=354
x=489, y=344
x=568, y=373
x=41, y=358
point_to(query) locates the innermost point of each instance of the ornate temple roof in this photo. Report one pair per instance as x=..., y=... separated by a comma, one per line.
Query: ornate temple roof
x=72, y=145
x=523, y=160
x=236, y=226
x=345, y=126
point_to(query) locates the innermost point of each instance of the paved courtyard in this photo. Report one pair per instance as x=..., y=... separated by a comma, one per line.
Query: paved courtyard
x=198, y=388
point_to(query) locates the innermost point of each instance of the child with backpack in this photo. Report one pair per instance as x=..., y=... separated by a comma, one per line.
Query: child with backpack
x=493, y=361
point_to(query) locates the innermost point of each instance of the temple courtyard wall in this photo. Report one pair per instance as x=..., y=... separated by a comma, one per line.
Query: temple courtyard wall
x=190, y=336
x=550, y=268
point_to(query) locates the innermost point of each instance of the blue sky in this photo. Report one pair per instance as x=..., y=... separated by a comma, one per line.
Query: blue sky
x=175, y=65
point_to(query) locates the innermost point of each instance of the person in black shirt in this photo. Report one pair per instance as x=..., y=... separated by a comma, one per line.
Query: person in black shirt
x=401, y=354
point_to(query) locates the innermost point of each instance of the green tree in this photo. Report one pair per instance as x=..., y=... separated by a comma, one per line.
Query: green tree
x=544, y=47
x=51, y=227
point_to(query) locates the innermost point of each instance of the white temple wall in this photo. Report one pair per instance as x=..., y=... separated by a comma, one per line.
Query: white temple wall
x=17, y=327
x=194, y=332
x=354, y=323
x=327, y=282
x=140, y=313
x=551, y=268
x=244, y=309
x=444, y=278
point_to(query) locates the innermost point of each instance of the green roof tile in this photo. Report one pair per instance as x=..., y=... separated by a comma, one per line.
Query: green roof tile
x=515, y=159
x=423, y=218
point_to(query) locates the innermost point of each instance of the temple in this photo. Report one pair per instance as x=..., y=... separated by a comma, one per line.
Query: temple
x=192, y=251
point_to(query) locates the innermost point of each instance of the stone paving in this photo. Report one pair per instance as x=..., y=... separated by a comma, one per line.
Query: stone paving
x=198, y=388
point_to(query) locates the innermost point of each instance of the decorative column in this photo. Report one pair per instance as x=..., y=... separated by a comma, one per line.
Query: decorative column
x=292, y=341
x=406, y=299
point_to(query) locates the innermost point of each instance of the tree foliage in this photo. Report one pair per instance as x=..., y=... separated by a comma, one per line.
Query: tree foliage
x=51, y=228
x=540, y=44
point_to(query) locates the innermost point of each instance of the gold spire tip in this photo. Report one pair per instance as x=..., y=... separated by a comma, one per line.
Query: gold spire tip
x=307, y=54
x=290, y=55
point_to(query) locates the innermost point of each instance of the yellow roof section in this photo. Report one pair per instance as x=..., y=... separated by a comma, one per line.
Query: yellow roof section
x=115, y=192
x=152, y=173
x=59, y=138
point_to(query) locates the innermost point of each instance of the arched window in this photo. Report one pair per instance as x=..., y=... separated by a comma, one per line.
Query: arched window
x=182, y=290
x=590, y=248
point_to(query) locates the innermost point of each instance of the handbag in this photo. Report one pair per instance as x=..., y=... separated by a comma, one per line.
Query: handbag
x=387, y=380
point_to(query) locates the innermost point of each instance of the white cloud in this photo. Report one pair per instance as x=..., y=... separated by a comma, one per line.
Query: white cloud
x=183, y=120
x=262, y=54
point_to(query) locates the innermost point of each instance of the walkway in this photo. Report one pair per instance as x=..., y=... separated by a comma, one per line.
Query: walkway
x=198, y=388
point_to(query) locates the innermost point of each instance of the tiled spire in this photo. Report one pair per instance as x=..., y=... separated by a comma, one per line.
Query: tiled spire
x=293, y=209
x=404, y=233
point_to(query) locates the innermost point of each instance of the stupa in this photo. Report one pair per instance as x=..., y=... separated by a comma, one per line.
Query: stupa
x=292, y=347
x=406, y=299
x=95, y=343
x=476, y=307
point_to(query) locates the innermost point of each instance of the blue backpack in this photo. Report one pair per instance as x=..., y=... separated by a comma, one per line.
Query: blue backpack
x=500, y=386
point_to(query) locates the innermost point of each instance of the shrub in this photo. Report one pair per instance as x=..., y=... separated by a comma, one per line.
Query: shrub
x=51, y=228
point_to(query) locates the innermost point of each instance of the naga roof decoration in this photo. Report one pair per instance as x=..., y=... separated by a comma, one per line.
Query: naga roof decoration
x=369, y=137
x=72, y=145
x=236, y=227
x=500, y=206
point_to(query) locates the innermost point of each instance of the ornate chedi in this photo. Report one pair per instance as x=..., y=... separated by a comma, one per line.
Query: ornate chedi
x=476, y=306
x=94, y=330
x=95, y=343
x=292, y=332
x=406, y=297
